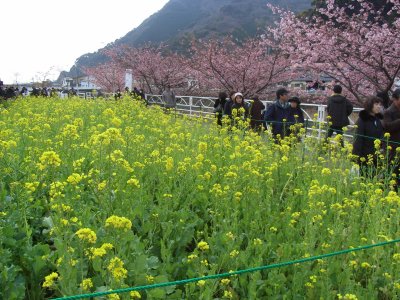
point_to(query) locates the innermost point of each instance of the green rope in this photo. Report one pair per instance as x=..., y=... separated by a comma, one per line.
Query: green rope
x=224, y=275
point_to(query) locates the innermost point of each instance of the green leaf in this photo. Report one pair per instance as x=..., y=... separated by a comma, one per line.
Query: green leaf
x=157, y=293
x=153, y=262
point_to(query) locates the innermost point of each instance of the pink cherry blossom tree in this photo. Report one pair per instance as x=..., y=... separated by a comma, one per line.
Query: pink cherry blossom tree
x=153, y=67
x=108, y=76
x=252, y=67
x=360, y=51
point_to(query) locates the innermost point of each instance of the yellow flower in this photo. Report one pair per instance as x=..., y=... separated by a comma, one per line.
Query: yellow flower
x=86, y=284
x=119, y=223
x=116, y=267
x=273, y=229
x=365, y=265
x=64, y=222
x=87, y=234
x=230, y=235
x=396, y=256
x=234, y=253
x=98, y=252
x=191, y=257
x=134, y=183
x=135, y=295
x=31, y=186
x=149, y=278
x=49, y=158
x=225, y=281
x=113, y=297
x=347, y=297
x=203, y=246
x=353, y=263
x=205, y=262
x=228, y=294
x=238, y=196
x=169, y=164
x=257, y=242
x=107, y=246
x=202, y=147
x=74, y=179
x=49, y=280
x=102, y=185
x=201, y=283
x=326, y=171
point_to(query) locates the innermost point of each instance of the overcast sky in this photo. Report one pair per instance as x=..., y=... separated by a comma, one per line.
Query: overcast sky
x=47, y=36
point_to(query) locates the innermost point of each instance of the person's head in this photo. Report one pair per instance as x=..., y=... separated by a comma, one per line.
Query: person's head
x=256, y=98
x=396, y=97
x=373, y=105
x=396, y=94
x=222, y=95
x=282, y=94
x=337, y=89
x=231, y=95
x=238, y=98
x=294, y=102
x=384, y=96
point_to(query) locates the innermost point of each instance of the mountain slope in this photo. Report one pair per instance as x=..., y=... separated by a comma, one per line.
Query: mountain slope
x=181, y=20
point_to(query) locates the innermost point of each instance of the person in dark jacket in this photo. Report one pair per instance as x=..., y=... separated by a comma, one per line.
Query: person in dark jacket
x=219, y=106
x=256, y=118
x=229, y=103
x=239, y=108
x=391, y=124
x=277, y=114
x=339, y=109
x=369, y=128
x=296, y=115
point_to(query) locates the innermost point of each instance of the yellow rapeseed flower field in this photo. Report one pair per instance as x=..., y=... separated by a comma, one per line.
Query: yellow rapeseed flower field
x=99, y=195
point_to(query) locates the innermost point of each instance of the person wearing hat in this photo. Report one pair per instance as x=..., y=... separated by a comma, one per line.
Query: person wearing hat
x=236, y=104
x=277, y=114
x=296, y=115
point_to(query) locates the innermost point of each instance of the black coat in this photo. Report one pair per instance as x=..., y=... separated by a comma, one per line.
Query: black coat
x=339, y=109
x=391, y=123
x=369, y=128
x=295, y=115
x=219, y=105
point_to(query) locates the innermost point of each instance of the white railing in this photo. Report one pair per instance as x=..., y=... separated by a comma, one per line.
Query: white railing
x=203, y=106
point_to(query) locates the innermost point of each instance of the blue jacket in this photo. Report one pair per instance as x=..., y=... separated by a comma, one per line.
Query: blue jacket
x=274, y=115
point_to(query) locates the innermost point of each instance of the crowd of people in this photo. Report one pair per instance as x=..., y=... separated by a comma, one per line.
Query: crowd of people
x=11, y=92
x=136, y=93
x=280, y=115
x=380, y=115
